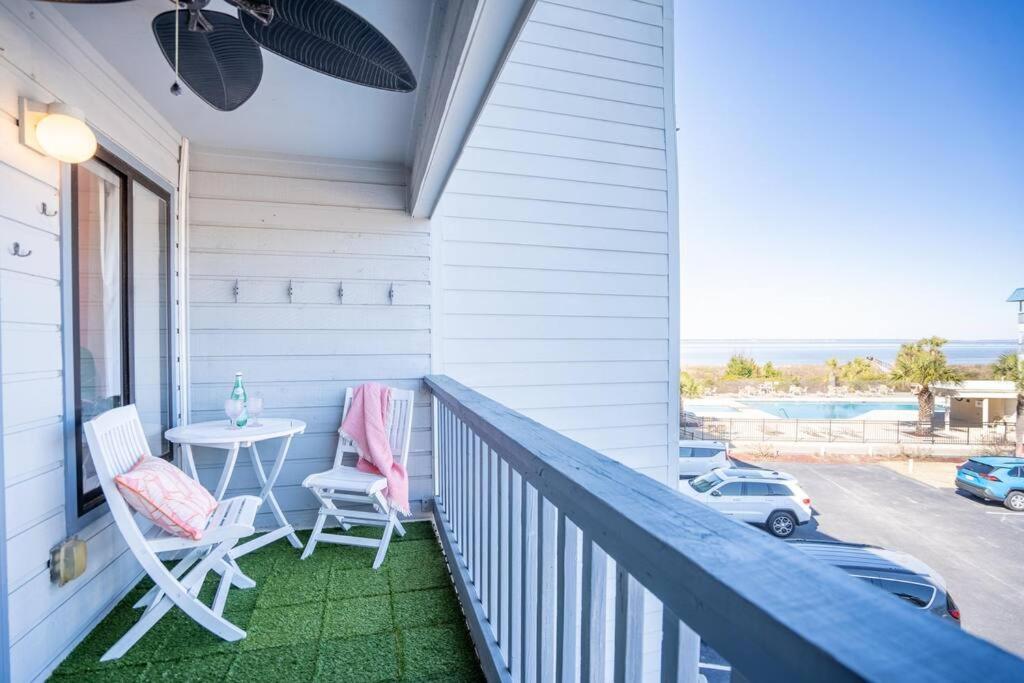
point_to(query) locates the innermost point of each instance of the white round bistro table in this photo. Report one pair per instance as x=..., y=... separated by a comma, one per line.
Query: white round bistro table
x=222, y=435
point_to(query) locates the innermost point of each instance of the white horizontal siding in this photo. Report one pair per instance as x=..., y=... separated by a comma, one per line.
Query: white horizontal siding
x=558, y=239
x=45, y=59
x=318, y=227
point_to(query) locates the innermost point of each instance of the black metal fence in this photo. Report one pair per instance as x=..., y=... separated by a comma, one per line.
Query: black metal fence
x=847, y=431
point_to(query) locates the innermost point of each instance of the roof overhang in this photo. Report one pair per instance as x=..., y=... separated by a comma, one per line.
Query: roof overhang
x=477, y=36
x=977, y=389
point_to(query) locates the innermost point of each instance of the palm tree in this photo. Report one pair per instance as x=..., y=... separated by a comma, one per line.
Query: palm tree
x=690, y=386
x=833, y=371
x=1010, y=368
x=922, y=364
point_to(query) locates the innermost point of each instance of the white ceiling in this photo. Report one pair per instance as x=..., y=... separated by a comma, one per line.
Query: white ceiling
x=295, y=110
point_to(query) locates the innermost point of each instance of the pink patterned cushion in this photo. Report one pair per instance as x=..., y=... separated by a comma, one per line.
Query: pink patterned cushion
x=167, y=497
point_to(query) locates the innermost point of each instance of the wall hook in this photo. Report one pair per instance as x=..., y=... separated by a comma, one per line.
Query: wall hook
x=43, y=210
x=341, y=293
x=391, y=293
x=234, y=290
x=291, y=291
x=16, y=250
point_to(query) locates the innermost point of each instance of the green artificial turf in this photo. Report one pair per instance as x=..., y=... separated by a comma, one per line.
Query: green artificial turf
x=329, y=617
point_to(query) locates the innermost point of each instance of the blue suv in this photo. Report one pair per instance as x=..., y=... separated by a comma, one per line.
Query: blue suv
x=998, y=478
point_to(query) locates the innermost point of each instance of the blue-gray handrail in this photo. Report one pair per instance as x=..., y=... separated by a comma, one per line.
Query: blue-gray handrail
x=774, y=613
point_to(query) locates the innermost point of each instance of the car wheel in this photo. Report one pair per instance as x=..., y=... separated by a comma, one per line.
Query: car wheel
x=781, y=524
x=1015, y=501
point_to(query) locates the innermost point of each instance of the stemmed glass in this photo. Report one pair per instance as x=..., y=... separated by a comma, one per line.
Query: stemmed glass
x=255, y=408
x=233, y=408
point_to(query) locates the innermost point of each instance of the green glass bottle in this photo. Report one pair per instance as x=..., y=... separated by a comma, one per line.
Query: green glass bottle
x=238, y=393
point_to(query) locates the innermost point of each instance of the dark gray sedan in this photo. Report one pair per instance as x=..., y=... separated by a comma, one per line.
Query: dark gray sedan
x=898, y=573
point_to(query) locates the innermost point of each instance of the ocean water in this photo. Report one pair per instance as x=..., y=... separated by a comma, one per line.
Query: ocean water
x=817, y=351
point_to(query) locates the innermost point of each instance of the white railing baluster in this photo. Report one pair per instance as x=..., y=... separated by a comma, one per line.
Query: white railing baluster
x=528, y=620
x=478, y=521
x=593, y=618
x=504, y=546
x=680, y=650
x=474, y=514
x=493, y=538
x=629, y=627
x=568, y=593
x=548, y=585
x=515, y=601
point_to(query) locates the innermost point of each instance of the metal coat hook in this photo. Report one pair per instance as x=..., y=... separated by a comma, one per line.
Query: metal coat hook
x=43, y=210
x=16, y=250
x=291, y=291
x=341, y=293
x=391, y=293
x=234, y=290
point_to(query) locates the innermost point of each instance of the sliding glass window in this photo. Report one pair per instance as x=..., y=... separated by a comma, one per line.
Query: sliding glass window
x=121, y=314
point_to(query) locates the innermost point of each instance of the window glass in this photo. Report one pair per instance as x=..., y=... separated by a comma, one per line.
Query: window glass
x=979, y=467
x=705, y=482
x=755, y=488
x=685, y=452
x=100, y=323
x=779, y=490
x=917, y=594
x=733, y=488
x=121, y=303
x=705, y=452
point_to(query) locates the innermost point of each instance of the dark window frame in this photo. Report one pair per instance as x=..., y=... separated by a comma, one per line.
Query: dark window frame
x=87, y=502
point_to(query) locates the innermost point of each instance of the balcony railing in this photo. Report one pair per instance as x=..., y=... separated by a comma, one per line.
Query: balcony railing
x=558, y=554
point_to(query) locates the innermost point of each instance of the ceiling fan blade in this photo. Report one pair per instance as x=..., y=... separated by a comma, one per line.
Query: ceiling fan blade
x=223, y=66
x=328, y=37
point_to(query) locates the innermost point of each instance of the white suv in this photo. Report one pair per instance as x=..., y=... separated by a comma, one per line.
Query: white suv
x=773, y=499
x=697, y=457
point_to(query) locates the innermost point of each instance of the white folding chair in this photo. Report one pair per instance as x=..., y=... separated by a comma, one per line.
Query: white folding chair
x=344, y=483
x=116, y=441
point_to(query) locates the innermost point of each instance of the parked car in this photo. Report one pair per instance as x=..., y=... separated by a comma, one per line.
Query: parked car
x=697, y=457
x=771, y=499
x=898, y=573
x=998, y=478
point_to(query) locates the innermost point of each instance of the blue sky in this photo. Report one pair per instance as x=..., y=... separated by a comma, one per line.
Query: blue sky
x=850, y=168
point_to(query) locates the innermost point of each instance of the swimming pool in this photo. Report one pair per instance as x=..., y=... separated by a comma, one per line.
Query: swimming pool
x=826, y=410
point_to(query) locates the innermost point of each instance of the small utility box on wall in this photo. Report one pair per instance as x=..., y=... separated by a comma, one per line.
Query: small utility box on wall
x=68, y=560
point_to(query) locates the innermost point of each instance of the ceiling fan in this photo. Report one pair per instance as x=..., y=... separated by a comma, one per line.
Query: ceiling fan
x=218, y=55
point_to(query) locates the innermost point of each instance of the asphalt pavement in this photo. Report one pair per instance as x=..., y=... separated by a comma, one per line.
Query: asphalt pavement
x=977, y=546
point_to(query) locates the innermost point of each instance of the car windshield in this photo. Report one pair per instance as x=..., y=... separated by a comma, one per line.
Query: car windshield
x=705, y=482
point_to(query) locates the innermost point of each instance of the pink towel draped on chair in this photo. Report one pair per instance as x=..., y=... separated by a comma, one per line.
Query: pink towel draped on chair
x=366, y=424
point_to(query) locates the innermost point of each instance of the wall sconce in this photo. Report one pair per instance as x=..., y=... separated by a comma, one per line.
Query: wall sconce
x=57, y=130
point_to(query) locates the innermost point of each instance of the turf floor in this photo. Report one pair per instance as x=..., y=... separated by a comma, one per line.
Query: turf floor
x=327, y=618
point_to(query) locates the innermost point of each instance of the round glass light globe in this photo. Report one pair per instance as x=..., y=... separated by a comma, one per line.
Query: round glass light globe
x=66, y=137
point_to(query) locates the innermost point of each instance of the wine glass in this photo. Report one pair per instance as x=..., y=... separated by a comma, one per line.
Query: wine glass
x=233, y=408
x=255, y=408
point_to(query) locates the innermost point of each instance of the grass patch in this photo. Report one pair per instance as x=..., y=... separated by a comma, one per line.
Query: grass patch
x=327, y=618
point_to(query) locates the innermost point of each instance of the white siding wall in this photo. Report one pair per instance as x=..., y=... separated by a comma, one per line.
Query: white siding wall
x=558, y=259
x=559, y=234
x=271, y=221
x=45, y=59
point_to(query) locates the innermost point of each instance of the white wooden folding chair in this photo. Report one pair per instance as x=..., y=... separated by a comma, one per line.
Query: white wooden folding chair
x=116, y=441
x=344, y=483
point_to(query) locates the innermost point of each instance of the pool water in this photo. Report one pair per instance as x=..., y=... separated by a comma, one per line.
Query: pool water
x=826, y=410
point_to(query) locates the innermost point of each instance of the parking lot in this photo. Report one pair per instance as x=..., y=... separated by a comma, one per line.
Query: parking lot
x=977, y=547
